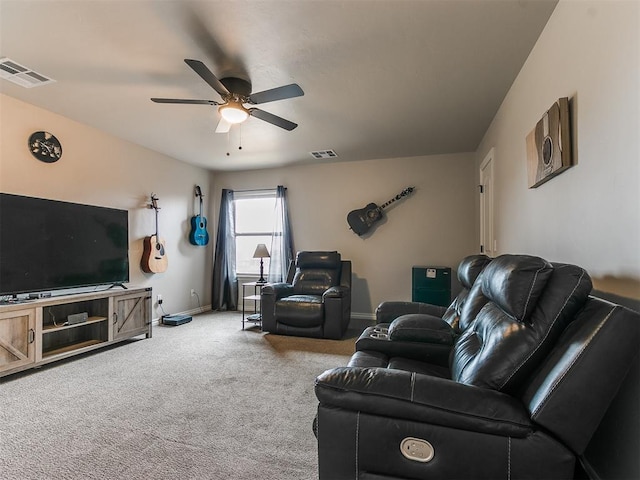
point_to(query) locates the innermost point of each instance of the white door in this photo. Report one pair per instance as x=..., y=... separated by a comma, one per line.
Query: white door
x=487, y=240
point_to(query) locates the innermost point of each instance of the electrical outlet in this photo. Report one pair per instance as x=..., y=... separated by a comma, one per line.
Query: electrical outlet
x=193, y=292
x=159, y=298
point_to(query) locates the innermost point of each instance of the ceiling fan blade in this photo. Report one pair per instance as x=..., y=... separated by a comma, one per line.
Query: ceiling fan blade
x=273, y=119
x=206, y=74
x=190, y=102
x=280, y=93
x=223, y=126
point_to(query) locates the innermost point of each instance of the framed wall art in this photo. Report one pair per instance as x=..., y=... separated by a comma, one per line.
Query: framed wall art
x=549, y=145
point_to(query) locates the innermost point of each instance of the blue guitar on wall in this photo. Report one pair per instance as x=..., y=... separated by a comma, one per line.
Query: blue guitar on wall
x=199, y=235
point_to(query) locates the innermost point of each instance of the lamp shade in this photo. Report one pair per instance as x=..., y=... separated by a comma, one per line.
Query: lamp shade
x=234, y=112
x=261, y=251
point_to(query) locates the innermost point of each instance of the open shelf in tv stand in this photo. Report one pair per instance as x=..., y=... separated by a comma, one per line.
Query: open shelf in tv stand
x=36, y=332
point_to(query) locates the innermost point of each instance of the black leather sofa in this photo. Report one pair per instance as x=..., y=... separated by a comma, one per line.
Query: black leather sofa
x=423, y=323
x=526, y=386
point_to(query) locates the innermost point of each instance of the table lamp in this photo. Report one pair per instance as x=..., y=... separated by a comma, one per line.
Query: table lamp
x=261, y=252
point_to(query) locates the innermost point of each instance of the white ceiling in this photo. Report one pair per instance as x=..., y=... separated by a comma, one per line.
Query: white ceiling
x=382, y=79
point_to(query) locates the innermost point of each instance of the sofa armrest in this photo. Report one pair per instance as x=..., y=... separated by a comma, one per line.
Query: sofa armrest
x=422, y=398
x=337, y=311
x=271, y=293
x=335, y=292
x=277, y=290
x=389, y=311
x=421, y=328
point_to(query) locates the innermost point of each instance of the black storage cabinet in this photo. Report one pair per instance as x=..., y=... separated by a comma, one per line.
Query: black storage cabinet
x=431, y=285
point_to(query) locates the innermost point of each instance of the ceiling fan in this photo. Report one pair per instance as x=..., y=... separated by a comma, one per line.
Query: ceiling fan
x=235, y=92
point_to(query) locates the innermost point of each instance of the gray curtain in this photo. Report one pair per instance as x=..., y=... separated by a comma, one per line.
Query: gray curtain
x=281, y=240
x=225, y=282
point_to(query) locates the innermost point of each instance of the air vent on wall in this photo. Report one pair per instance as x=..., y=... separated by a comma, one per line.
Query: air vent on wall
x=21, y=75
x=324, y=154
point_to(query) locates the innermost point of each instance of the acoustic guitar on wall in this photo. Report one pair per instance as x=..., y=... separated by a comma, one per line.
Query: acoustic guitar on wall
x=154, y=255
x=362, y=219
x=199, y=235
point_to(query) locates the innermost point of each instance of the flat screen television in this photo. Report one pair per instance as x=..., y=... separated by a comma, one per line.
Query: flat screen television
x=49, y=245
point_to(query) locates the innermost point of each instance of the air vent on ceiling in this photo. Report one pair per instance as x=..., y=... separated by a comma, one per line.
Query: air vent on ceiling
x=324, y=154
x=21, y=75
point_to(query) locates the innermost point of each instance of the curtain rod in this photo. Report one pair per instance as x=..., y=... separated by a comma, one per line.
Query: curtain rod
x=257, y=190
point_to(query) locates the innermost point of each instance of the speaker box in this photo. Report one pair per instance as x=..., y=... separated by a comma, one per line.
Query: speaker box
x=431, y=285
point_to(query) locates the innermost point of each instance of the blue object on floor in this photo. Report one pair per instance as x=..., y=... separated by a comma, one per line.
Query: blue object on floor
x=175, y=319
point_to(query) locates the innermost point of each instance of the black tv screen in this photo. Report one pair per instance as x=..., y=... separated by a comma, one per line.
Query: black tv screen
x=49, y=245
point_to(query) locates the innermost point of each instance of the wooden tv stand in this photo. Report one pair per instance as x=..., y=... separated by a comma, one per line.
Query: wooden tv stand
x=37, y=332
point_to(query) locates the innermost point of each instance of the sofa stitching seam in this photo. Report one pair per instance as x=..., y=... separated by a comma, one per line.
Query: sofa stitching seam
x=513, y=423
x=509, y=459
x=357, y=442
x=413, y=384
x=533, y=282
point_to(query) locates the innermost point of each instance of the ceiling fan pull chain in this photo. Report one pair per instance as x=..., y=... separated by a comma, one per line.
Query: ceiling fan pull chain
x=240, y=140
x=228, y=142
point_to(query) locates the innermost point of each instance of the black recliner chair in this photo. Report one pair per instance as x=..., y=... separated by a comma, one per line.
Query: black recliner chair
x=316, y=302
x=521, y=399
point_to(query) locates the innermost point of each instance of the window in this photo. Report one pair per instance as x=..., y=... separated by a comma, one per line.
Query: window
x=255, y=219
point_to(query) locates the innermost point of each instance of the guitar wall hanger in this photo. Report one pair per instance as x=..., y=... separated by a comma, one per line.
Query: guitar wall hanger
x=363, y=219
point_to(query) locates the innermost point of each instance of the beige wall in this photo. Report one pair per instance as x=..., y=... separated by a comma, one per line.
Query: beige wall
x=432, y=226
x=590, y=214
x=99, y=169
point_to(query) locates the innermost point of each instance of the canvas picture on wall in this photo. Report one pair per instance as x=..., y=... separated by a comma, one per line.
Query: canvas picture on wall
x=549, y=145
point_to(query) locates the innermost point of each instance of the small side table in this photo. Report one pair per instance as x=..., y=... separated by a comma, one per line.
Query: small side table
x=251, y=296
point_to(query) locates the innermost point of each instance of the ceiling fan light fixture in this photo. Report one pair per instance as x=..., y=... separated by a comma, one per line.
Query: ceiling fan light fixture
x=234, y=113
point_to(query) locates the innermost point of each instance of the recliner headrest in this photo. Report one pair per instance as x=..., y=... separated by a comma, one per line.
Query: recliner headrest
x=470, y=267
x=316, y=272
x=515, y=282
x=530, y=303
x=318, y=260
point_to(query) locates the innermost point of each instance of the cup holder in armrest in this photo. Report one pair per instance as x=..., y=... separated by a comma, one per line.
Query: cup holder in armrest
x=379, y=334
x=381, y=330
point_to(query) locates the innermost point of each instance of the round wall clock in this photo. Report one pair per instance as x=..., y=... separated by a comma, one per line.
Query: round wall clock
x=45, y=147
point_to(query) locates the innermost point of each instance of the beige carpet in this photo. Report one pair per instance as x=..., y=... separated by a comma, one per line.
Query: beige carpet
x=203, y=400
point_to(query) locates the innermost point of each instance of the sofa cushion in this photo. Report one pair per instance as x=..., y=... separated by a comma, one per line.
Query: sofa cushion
x=314, y=282
x=515, y=282
x=471, y=306
x=470, y=299
x=312, y=259
x=499, y=350
x=469, y=269
x=300, y=310
x=421, y=328
x=410, y=365
x=316, y=272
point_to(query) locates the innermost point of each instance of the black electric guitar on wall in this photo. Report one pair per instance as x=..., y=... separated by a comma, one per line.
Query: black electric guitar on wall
x=362, y=219
x=199, y=235
x=154, y=255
